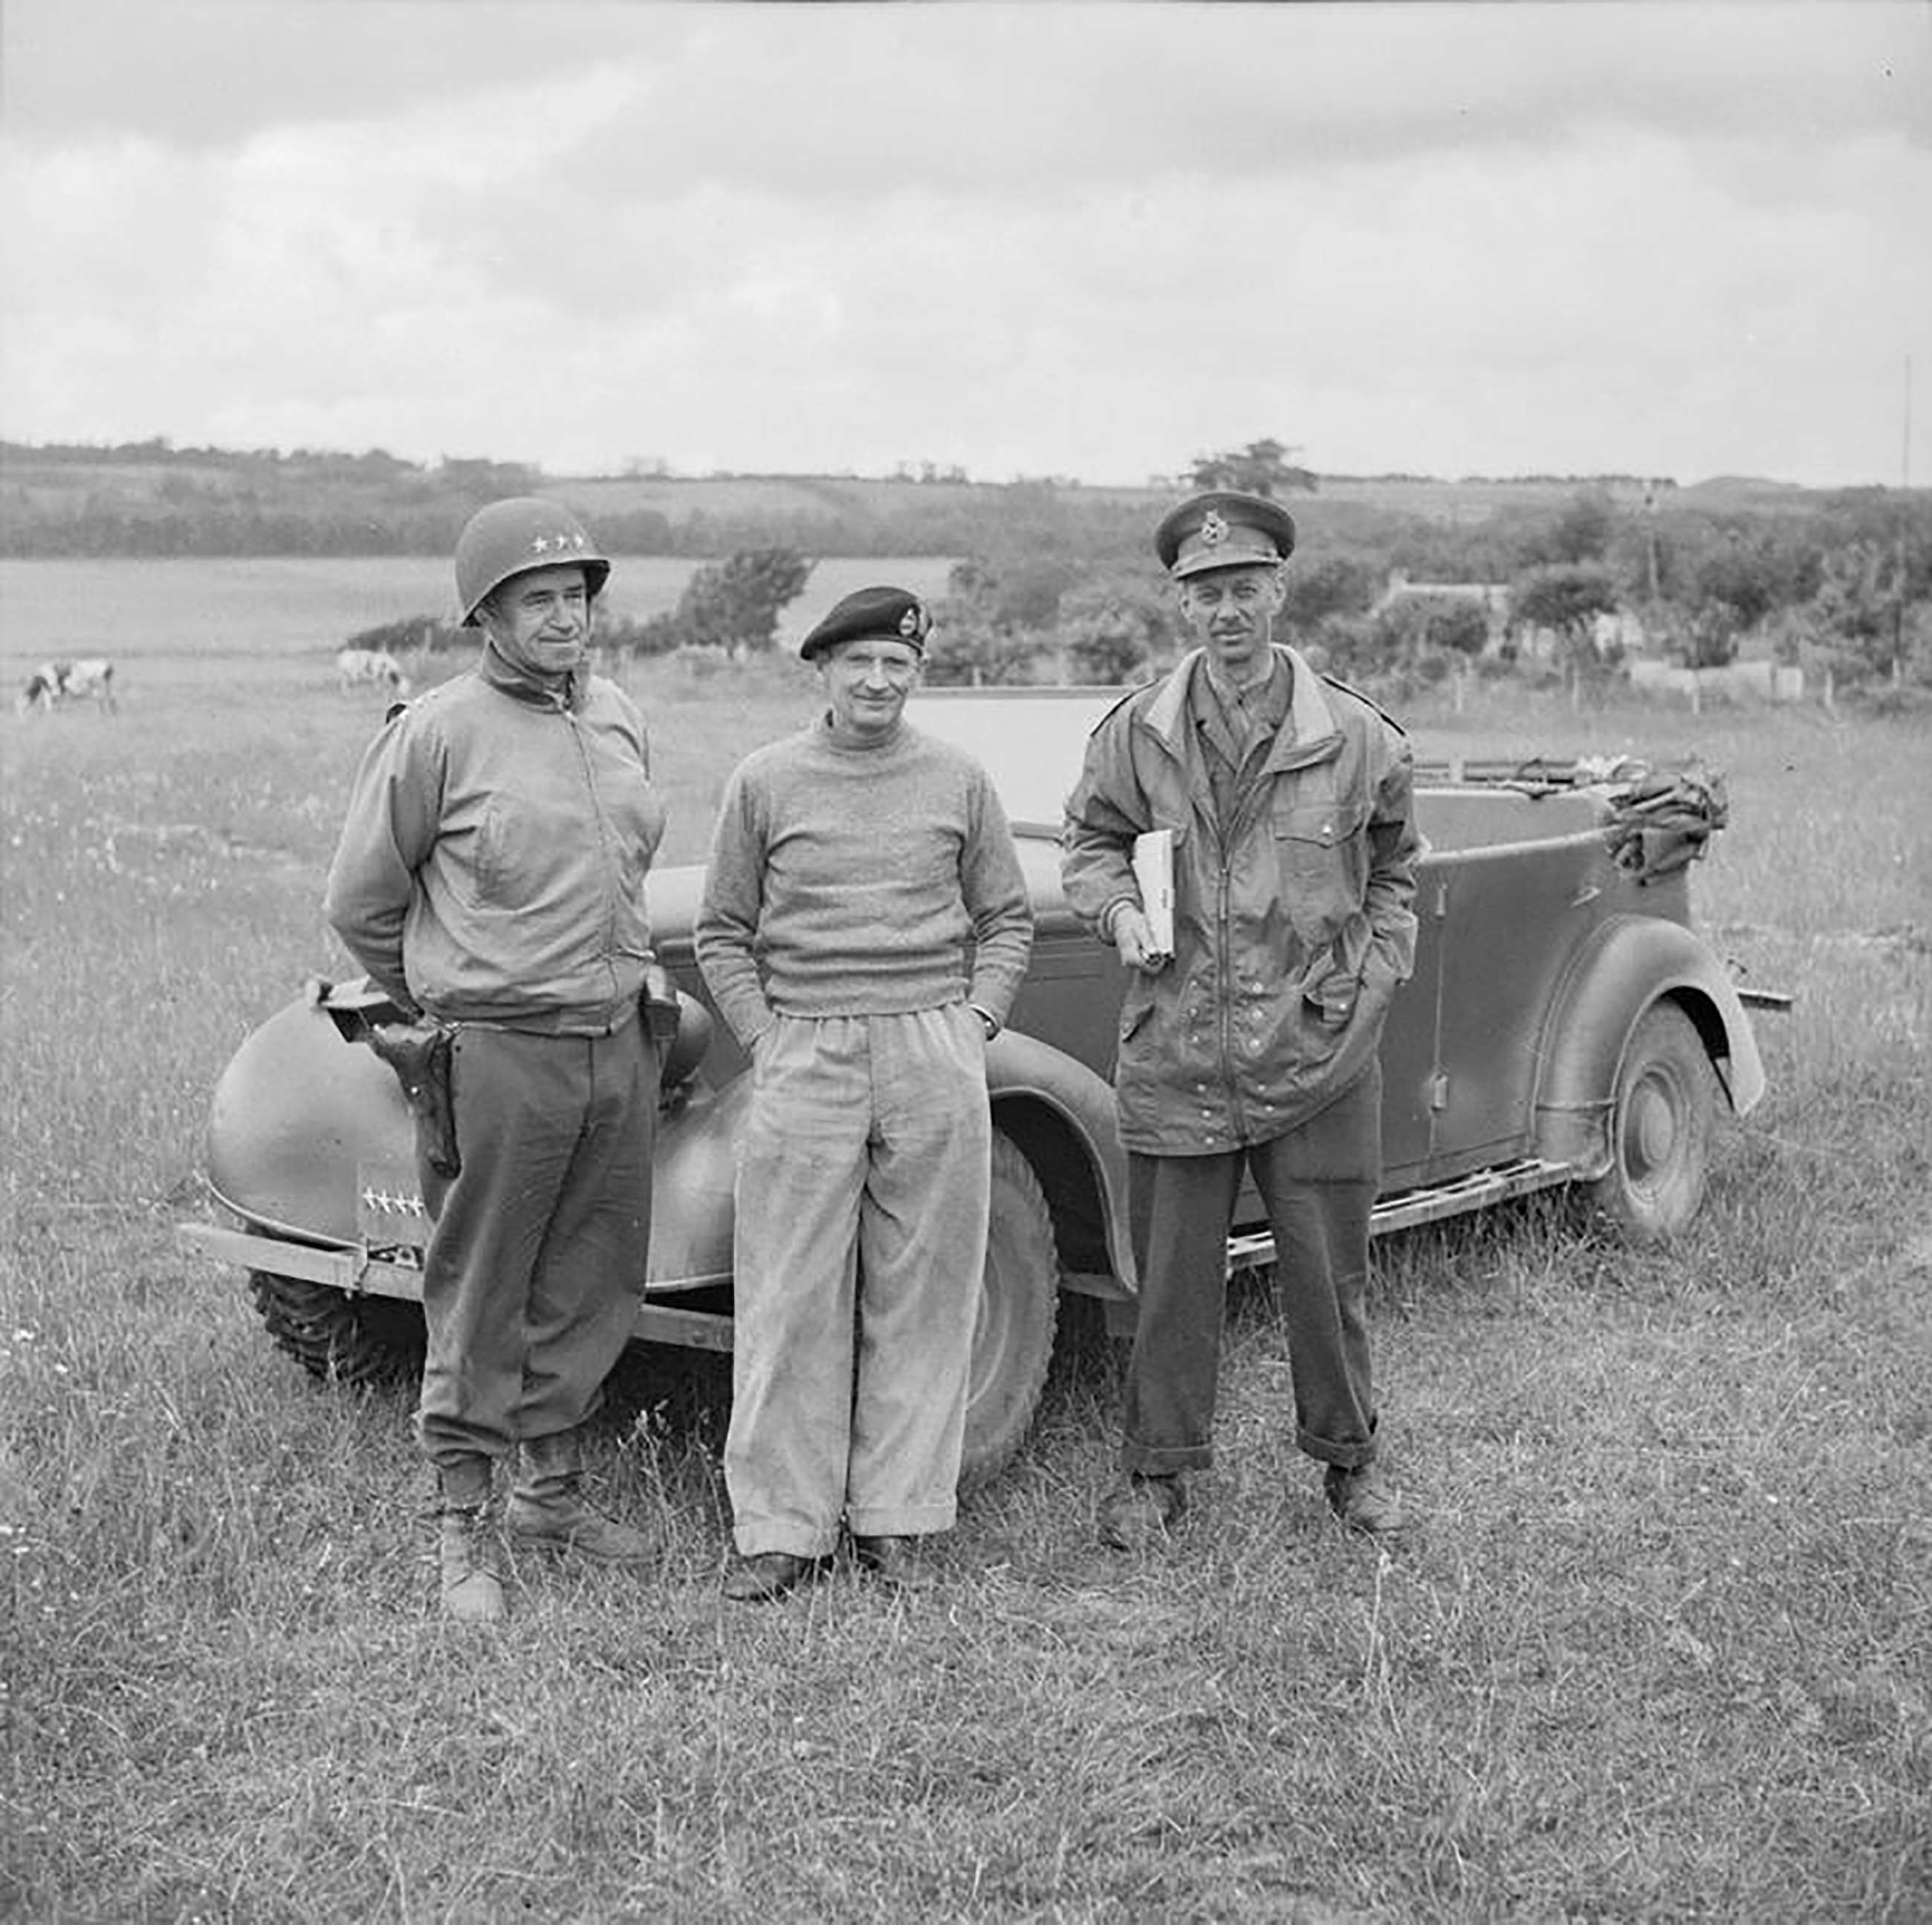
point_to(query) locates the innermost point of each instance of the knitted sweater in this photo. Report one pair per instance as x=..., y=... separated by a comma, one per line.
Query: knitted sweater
x=861, y=882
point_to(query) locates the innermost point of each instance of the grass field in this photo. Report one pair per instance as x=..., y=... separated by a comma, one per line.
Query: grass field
x=1659, y=1652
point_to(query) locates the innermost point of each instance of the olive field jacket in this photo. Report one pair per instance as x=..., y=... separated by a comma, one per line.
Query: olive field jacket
x=491, y=867
x=1293, y=922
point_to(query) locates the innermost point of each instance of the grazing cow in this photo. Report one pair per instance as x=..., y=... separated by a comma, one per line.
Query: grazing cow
x=357, y=667
x=55, y=682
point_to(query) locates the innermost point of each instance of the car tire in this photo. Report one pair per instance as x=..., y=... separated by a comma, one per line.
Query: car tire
x=378, y=1341
x=1012, y=1341
x=1661, y=1120
x=339, y=1338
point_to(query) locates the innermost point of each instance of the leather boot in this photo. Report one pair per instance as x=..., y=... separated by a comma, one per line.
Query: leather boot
x=466, y=1548
x=1142, y=1511
x=547, y=1511
x=1364, y=1501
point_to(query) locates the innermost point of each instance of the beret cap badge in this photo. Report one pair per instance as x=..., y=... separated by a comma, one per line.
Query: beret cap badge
x=880, y=615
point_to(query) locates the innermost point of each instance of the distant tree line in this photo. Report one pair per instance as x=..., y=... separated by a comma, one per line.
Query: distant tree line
x=147, y=500
x=1058, y=581
x=1844, y=581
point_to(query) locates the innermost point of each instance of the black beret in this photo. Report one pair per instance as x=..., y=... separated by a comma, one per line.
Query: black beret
x=872, y=614
x=1224, y=528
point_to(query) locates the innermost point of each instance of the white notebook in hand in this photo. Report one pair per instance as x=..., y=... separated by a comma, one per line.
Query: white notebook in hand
x=1153, y=871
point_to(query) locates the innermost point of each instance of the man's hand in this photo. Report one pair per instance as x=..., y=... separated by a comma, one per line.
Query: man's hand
x=1133, y=937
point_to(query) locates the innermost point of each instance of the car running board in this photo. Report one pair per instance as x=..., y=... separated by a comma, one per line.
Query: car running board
x=1477, y=1192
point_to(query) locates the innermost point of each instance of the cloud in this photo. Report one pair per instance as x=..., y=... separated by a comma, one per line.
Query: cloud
x=1082, y=239
x=964, y=93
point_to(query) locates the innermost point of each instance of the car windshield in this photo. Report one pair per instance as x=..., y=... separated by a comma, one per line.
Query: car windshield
x=1030, y=740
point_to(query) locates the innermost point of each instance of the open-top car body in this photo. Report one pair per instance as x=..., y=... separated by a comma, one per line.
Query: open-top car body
x=1564, y=1026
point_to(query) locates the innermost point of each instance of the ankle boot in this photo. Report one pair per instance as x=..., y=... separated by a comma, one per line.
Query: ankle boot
x=548, y=1511
x=466, y=1548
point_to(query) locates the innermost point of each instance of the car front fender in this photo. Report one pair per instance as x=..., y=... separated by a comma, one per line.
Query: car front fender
x=1061, y=1115
x=693, y=1171
x=297, y=1111
x=1630, y=963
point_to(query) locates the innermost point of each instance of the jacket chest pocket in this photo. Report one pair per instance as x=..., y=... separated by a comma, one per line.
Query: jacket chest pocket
x=512, y=844
x=1313, y=841
x=533, y=845
x=1318, y=853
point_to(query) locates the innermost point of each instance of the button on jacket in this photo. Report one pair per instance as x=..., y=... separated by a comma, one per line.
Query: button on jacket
x=1293, y=924
x=491, y=867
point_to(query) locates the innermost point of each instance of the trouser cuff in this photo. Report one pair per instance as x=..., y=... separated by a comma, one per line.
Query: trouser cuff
x=903, y=1520
x=754, y=1540
x=1344, y=1456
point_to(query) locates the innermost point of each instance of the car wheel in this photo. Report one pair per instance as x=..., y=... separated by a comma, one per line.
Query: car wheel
x=1659, y=1129
x=343, y=1338
x=1019, y=1302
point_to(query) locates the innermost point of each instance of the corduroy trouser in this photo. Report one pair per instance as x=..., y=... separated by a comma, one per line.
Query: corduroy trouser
x=1318, y=1183
x=862, y=1185
x=533, y=1271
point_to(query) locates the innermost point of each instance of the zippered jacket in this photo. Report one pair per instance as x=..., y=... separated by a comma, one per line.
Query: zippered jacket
x=1294, y=921
x=491, y=865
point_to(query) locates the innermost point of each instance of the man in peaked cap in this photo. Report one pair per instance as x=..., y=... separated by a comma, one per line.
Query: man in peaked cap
x=490, y=877
x=1223, y=528
x=1251, y=1046
x=864, y=929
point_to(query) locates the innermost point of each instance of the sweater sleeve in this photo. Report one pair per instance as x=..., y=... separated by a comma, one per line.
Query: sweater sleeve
x=725, y=935
x=394, y=809
x=994, y=888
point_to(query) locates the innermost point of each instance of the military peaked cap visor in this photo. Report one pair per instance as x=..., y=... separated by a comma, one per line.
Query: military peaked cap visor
x=872, y=614
x=1224, y=528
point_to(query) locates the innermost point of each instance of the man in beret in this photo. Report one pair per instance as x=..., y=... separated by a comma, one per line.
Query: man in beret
x=864, y=930
x=1252, y=1045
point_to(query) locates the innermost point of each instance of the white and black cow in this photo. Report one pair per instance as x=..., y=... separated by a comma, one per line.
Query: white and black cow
x=362, y=667
x=53, y=683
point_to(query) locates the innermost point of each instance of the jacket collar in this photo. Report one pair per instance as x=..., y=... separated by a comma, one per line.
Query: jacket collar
x=500, y=672
x=1311, y=735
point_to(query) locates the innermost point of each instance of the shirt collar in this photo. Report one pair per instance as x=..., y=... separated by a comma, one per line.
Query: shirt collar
x=565, y=692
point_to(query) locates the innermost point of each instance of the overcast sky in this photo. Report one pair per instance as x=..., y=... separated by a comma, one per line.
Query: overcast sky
x=1077, y=239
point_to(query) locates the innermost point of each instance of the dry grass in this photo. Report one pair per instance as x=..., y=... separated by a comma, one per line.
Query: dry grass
x=1660, y=1652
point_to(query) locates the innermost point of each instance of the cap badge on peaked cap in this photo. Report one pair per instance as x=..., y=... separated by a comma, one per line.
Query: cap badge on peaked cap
x=1224, y=528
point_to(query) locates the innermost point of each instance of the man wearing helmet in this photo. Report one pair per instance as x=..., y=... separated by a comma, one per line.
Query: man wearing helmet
x=489, y=877
x=1248, y=1036
x=864, y=928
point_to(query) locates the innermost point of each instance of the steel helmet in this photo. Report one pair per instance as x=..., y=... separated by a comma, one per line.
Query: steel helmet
x=512, y=537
